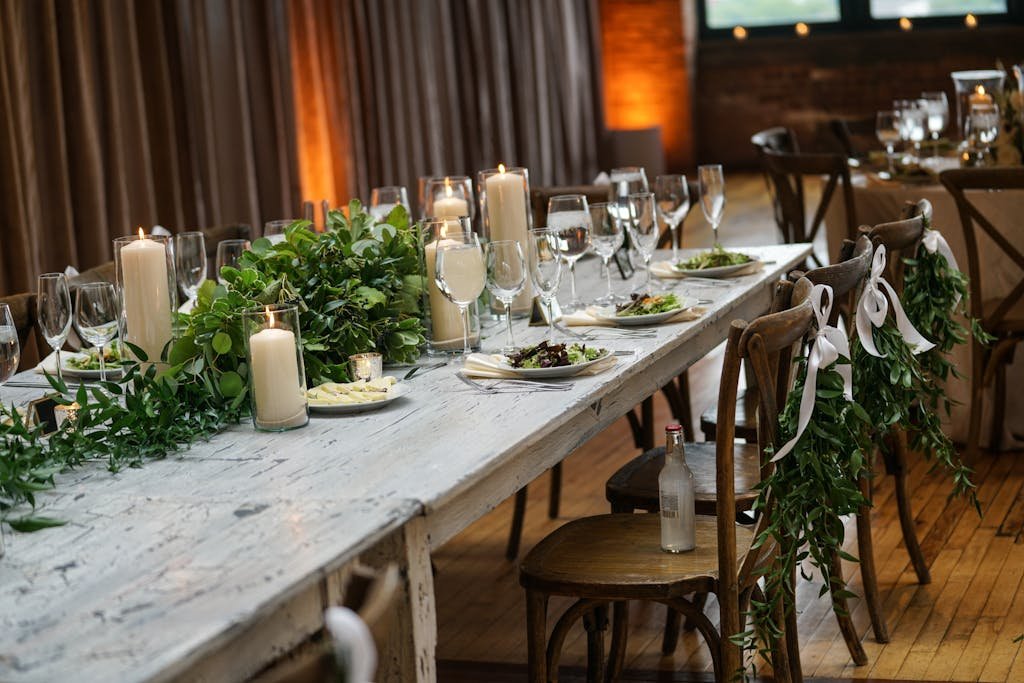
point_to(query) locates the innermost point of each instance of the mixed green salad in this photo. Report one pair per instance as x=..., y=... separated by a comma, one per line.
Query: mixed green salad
x=648, y=304
x=545, y=355
x=90, y=358
x=717, y=257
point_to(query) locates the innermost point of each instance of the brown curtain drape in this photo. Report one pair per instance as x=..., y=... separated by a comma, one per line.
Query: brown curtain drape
x=426, y=87
x=121, y=113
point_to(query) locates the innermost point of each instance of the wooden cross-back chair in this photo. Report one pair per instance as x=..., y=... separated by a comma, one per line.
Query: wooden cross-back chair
x=854, y=135
x=23, y=313
x=1000, y=313
x=616, y=558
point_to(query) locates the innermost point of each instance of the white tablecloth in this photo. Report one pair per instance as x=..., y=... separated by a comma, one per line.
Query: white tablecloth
x=880, y=202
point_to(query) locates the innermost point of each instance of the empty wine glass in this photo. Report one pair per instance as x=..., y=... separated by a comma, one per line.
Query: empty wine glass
x=190, y=261
x=460, y=275
x=937, y=107
x=887, y=130
x=569, y=219
x=506, y=278
x=10, y=350
x=982, y=129
x=96, y=315
x=228, y=253
x=912, y=122
x=673, y=200
x=53, y=304
x=624, y=182
x=643, y=230
x=384, y=199
x=274, y=230
x=546, y=271
x=712, y=195
x=606, y=234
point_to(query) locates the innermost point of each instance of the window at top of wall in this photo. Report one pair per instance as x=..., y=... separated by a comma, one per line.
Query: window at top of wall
x=893, y=9
x=729, y=13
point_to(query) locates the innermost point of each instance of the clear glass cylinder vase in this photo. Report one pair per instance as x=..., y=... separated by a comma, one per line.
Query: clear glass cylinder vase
x=449, y=197
x=505, y=214
x=277, y=377
x=441, y=317
x=147, y=286
x=972, y=87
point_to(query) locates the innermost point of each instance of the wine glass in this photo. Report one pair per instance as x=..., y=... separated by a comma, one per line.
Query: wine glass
x=624, y=182
x=384, y=199
x=53, y=304
x=546, y=270
x=643, y=230
x=983, y=127
x=887, y=130
x=228, y=253
x=673, y=201
x=190, y=261
x=274, y=230
x=96, y=315
x=712, y=195
x=569, y=218
x=937, y=107
x=10, y=350
x=913, y=120
x=606, y=233
x=506, y=278
x=459, y=274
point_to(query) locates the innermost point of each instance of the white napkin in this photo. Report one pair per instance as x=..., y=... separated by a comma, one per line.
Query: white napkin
x=602, y=179
x=160, y=230
x=588, y=317
x=353, y=644
x=71, y=271
x=665, y=270
x=493, y=366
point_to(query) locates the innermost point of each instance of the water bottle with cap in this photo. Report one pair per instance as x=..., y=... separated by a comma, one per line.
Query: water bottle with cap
x=676, y=492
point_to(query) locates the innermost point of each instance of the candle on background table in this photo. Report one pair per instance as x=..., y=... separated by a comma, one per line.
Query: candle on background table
x=507, y=219
x=280, y=400
x=979, y=96
x=450, y=206
x=144, y=287
x=445, y=320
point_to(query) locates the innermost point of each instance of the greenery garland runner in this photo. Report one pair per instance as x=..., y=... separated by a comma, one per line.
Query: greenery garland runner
x=358, y=287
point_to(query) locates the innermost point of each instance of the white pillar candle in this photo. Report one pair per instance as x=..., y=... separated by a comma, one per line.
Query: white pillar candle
x=280, y=401
x=445, y=320
x=450, y=206
x=506, y=216
x=147, y=307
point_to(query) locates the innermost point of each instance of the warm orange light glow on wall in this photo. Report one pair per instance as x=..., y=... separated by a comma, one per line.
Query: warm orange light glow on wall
x=971, y=21
x=645, y=72
x=739, y=33
x=906, y=24
x=802, y=29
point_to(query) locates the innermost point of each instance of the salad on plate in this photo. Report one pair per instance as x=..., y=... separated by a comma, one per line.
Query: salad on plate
x=648, y=304
x=547, y=355
x=717, y=257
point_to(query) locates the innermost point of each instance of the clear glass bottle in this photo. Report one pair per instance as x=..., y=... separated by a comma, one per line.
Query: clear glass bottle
x=676, y=492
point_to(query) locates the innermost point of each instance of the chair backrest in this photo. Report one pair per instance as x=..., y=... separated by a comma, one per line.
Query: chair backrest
x=845, y=277
x=218, y=233
x=1007, y=238
x=853, y=135
x=539, y=197
x=900, y=239
x=778, y=139
x=106, y=272
x=23, y=311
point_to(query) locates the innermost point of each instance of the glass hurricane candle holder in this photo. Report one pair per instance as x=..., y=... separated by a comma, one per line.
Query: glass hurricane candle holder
x=975, y=87
x=366, y=366
x=277, y=378
x=505, y=215
x=441, y=317
x=146, y=283
x=449, y=197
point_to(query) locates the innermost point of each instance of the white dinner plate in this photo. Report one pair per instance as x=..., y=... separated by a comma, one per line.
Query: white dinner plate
x=113, y=368
x=395, y=392
x=720, y=271
x=560, y=371
x=608, y=314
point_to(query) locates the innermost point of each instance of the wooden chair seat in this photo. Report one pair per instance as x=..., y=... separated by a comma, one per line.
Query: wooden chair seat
x=746, y=418
x=619, y=556
x=635, y=485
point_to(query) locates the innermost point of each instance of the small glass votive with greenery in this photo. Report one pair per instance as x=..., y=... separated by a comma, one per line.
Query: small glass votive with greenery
x=277, y=378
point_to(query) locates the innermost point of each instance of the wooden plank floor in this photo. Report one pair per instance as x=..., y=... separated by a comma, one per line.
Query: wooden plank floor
x=961, y=627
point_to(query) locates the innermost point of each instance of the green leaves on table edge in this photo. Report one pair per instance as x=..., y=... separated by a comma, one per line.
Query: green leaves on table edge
x=358, y=288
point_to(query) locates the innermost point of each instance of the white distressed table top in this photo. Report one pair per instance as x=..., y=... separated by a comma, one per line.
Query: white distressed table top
x=457, y=452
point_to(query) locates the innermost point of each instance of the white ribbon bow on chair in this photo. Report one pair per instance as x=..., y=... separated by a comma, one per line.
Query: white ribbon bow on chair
x=874, y=306
x=934, y=242
x=828, y=345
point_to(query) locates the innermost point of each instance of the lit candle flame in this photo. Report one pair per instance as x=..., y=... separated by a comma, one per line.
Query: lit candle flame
x=448, y=187
x=802, y=29
x=971, y=21
x=270, y=317
x=906, y=24
x=501, y=168
x=739, y=33
x=142, y=235
x=980, y=90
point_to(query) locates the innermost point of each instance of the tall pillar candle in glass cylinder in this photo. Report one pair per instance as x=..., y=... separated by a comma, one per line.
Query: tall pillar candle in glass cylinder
x=975, y=87
x=505, y=210
x=147, y=286
x=277, y=378
x=442, y=319
x=449, y=197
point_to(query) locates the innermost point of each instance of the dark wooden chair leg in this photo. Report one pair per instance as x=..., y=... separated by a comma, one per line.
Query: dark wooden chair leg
x=555, y=495
x=699, y=600
x=978, y=355
x=536, y=632
x=998, y=409
x=515, y=533
x=672, y=622
x=647, y=420
x=636, y=428
x=868, y=571
x=842, y=612
x=686, y=416
x=620, y=636
x=898, y=442
x=796, y=671
x=596, y=623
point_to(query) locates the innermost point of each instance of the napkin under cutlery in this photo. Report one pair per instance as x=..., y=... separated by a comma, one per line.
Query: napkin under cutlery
x=493, y=367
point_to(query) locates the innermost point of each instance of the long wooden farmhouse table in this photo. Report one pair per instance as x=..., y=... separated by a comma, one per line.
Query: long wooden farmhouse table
x=212, y=563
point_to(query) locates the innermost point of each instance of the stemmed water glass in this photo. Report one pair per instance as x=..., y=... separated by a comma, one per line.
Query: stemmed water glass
x=624, y=182
x=712, y=195
x=53, y=304
x=673, y=200
x=606, y=233
x=982, y=129
x=506, y=278
x=937, y=107
x=912, y=122
x=384, y=199
x=190, y=261
x=96, y=315
x=10, y=350
x=228, y=253
x=643, y=231
x=459, y=274
x=887, y=130
x=569, y=219
x=546, y=270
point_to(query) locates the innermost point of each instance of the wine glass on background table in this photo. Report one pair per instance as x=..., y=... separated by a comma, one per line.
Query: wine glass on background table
x=10, y=350
x=673, y=200
x=460, y=275
x=606, y=234
x=569, y=219
x=887, y=130
x=545, y=271
x=228, y=253
x=506, y=278
x=190, y=262
x=913, y=121
x=96, y=314
x=712, y=195
x=384, y=199
x=624, y=182
x=643, y=231
x=53, y=304
x=983, y=128
x=937, y=107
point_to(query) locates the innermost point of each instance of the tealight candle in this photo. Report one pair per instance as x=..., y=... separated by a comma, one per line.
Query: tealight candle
x=276, y=377
x=366, y=366
x=450, y=206
x=979, y=96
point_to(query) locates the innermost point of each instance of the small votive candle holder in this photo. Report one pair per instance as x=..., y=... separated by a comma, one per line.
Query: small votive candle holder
x=366, y=366
x=277, y=378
